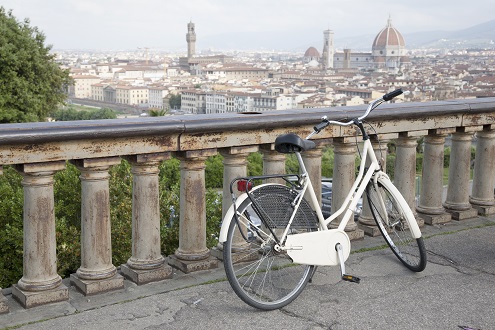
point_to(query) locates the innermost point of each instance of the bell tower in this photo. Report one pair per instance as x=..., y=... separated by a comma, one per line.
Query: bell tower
x=328, y=50
x=191, y=40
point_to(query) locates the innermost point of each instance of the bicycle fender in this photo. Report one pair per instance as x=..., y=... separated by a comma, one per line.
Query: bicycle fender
x=416, y=232
x=228, y=217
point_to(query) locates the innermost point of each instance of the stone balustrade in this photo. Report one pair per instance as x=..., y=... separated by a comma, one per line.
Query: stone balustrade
x=39, y=150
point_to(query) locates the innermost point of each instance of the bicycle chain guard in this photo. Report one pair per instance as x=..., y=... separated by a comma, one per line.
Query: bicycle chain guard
x=318, y=247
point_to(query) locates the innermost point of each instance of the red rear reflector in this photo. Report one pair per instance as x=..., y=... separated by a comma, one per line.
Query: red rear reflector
x=242, y=184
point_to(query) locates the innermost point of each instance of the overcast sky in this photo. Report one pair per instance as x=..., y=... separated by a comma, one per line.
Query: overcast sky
x=162, y=24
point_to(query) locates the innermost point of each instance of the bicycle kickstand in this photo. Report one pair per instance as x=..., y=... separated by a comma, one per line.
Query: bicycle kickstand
x=345, y=277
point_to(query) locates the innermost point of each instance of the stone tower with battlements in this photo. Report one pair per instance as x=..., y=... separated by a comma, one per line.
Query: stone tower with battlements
x=191, y=40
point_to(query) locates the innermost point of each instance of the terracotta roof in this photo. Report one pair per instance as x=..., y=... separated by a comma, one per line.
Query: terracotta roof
x=312, y=52
x=388, y=36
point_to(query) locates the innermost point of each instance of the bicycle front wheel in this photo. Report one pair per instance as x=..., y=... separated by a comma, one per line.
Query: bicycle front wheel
x=260, y=275
x=395, y=221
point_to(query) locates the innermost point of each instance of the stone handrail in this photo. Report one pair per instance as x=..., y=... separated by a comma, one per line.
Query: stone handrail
x=39, y=150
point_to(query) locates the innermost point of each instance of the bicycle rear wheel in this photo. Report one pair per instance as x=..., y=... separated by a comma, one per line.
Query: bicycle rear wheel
x=261, y=276
x=395, y=221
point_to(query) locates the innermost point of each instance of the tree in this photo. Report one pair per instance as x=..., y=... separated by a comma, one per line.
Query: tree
x=175, y=101
x=31, y=82
x=72, y=114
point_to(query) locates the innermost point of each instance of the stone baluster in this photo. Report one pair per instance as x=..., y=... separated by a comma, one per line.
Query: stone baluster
x=457, y=200
x=366, y=221
x=40, y=283
x=96, y=273
x=430, y=201
x=146, y=263
x=273, y=163
x=192, y=254
x=484, y=173
x=4, y=308
x=344, y=173
x=312, y=161
x=234, y=166
x=405, y=169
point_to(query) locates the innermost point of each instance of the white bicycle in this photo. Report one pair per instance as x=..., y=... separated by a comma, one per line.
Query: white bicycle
x=273, y=237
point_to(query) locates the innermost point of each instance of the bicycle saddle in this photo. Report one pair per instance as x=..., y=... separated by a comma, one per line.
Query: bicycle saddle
x=289, y=143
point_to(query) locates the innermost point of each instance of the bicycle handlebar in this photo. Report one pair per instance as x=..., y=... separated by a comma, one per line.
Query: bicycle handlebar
x=391, y=95
x=325, y=122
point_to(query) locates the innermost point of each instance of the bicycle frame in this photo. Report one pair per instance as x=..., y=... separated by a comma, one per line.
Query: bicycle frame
x=356, y=192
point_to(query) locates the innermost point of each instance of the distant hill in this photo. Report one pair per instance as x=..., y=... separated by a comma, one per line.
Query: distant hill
x=481, y=35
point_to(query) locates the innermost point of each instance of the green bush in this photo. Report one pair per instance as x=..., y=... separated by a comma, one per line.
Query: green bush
x=68, y=247
x=11, y=238
x=291, y=164
x=390, y=166
x=169, y=173
x=446, y=157
x=12, y=196
x=67, y=194
x=11, y=253
x=419, y=163
x=327, y=163
x=70, y=113
x=214, y=171
x=121, y=212
x=255, y=164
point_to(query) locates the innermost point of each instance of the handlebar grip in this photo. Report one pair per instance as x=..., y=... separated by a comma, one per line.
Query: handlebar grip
x=391, y=95
x=321, y=126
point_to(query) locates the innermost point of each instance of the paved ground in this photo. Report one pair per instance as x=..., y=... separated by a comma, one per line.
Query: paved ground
x=456, y=290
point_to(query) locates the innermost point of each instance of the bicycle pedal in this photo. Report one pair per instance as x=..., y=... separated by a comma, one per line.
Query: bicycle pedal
x=350, y=278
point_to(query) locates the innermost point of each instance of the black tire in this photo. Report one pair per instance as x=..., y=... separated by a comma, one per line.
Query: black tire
x=262, y=277
x=397, y=231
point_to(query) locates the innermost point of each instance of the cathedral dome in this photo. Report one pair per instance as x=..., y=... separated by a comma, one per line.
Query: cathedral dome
x=389, y=48
x=312, y=52
x=388, y=36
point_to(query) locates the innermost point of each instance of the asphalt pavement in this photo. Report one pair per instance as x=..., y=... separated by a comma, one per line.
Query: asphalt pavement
x=455, y=291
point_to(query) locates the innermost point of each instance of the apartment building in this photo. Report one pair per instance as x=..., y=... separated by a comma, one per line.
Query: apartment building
x=224, y=102
x=216, y=102
x=97, y=93
x=157, y=98
x=81, y=88
x=193, y=101
x=132, y=95
x=242, y=102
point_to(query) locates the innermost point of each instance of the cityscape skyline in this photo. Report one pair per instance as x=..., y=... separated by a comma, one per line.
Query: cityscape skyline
x=160, y=25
